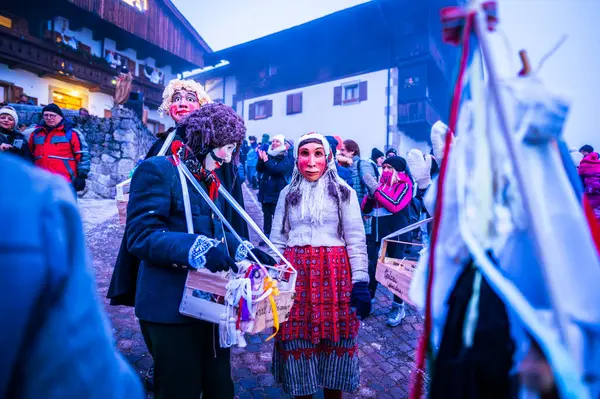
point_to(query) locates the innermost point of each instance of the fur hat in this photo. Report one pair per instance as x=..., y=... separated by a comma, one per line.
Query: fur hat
x=10, y=111
x=212, y=126
x=398, y=163
x=52, y=108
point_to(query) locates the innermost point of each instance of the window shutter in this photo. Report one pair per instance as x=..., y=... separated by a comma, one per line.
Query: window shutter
x=269, y=108
x=362, y=91
x=290, y=104
x=298, y=103
x=337, y=95
x=251, y=112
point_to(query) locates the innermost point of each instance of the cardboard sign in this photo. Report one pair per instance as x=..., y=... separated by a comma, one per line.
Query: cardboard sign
x=396, y=275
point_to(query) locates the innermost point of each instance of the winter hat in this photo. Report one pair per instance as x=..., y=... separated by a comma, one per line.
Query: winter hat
x=376, y=153
x=396, y=162
x=52, y=108
x=392, y=151
x=333, y=143
x=313, y=136
x=265, y=138
x=10, y=111
x=280, y=138
x=587, y=148
x=278, y=150
x=438, y=139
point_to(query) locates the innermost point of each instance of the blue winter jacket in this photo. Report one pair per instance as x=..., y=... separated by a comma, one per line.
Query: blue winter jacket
x=55, y=339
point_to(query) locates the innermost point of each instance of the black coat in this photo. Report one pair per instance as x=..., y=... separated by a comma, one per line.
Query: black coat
x=273, y=180
x=157, y=235
x=122, y=289
x=19, y=143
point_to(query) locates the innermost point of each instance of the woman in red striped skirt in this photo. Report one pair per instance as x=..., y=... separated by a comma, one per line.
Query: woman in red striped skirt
x=318, y=225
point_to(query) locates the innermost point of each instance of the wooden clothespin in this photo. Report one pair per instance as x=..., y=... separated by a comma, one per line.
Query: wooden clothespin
x=526, y=69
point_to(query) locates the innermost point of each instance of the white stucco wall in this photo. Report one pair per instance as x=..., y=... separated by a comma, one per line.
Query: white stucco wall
x=364, y=122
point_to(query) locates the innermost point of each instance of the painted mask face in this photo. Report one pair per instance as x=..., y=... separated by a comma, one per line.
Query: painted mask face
x=226, y=152
x=312, y=161
x=7, y=122
x=183, y=102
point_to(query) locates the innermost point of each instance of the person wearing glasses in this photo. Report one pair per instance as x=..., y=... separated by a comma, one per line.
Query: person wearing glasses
x=60, y=148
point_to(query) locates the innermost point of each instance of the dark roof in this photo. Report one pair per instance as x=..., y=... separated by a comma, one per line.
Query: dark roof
x=352, y=24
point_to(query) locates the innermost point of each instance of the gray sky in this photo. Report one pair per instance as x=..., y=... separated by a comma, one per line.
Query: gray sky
x=535, y=25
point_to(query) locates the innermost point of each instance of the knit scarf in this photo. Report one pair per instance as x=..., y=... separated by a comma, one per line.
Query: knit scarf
x=209, y=177
x=274, y=152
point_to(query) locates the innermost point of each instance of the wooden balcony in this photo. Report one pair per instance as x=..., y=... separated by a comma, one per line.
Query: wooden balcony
x=415, y=118
x=45, y=58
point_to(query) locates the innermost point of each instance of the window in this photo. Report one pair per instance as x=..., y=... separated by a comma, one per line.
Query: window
x=6, y=22
x=350, y=93
x=67, y=100
x=140, y=5
x=261, y=110
x=294, y=103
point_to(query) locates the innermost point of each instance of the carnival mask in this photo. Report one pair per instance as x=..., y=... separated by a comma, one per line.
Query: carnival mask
x=183, y=102
x=224, y=154
x=312, y=161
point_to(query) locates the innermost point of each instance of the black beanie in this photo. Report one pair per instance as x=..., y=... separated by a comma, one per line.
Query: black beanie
x=333, y=143
x=398, y=163
x=376, y=153
x=392, y=151
x=52, y=108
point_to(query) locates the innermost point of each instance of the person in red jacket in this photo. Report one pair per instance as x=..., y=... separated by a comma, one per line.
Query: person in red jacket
x=60, y=148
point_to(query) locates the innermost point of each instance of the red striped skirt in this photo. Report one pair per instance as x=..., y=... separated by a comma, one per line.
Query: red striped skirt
x=321, y=309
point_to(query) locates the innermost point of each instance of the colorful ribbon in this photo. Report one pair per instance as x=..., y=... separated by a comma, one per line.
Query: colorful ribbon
x=454, y=20
x=271, y=284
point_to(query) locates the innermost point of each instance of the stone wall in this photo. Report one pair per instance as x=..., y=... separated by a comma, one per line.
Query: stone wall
x=116, y=144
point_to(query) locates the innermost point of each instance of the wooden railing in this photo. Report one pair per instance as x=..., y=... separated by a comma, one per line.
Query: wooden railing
x=49, y=59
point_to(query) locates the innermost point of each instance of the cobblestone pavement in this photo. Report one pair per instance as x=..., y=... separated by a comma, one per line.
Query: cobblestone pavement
x=386, y=354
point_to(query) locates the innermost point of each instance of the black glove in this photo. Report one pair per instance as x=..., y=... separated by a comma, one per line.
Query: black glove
x=361, y=299
x=217, y=260
x=79, y=183
x=262, y=257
